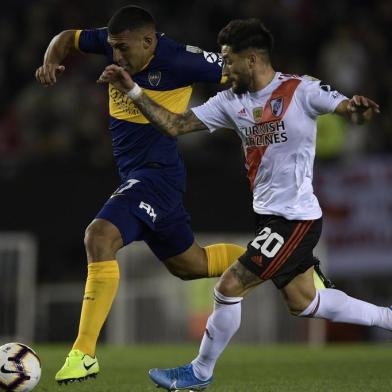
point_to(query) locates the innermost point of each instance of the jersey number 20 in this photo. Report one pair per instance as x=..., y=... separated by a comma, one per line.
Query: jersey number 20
x=267, y=242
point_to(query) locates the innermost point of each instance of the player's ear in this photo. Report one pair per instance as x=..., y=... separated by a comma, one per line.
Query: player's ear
x=148, y=40
x=252, y=60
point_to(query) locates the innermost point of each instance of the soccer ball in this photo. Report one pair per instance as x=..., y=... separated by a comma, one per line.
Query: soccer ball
x=20, y=368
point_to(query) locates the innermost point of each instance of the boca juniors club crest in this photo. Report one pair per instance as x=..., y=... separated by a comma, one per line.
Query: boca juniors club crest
x=257, y=114
x=277, y=106
x=154, y=78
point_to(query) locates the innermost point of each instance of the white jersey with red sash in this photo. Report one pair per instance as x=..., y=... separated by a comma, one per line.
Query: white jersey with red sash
x=277, y=126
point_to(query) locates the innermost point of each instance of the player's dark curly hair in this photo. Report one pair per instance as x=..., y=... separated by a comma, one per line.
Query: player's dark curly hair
x=242, y=34
x=130, y=17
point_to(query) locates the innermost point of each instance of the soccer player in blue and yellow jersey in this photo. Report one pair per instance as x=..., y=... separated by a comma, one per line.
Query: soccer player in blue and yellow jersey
x=148, y=204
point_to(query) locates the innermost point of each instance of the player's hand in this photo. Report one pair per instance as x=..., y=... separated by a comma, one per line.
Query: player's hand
x=118, y=77
x=47, y=74
x=362, y=108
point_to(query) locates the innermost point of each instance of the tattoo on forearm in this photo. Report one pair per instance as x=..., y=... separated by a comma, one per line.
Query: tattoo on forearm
x=172, y=124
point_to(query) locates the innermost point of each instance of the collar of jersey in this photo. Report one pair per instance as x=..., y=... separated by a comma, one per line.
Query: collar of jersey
x=268, y=87
x=147, y=63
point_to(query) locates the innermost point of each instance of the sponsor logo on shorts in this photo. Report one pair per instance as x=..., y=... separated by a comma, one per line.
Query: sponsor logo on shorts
x=150, y=211
x=257, y=260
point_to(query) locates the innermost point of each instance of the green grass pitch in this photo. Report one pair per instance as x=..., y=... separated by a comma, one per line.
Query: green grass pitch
x=242, y=368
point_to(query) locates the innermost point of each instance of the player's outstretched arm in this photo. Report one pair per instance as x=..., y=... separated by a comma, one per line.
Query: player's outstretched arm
x=59, y=48
x=171, y=124
x=358, y=109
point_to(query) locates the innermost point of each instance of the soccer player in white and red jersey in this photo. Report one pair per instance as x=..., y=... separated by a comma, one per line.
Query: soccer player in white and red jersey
x=275, y=115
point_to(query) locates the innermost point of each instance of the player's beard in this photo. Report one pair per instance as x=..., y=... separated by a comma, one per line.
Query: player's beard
x=241, y=85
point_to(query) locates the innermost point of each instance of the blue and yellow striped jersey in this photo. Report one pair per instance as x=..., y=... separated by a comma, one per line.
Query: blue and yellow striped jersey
x=167, y=79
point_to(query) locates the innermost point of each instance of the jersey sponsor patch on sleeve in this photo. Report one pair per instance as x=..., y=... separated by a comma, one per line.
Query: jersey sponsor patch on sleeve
x=329, y=89
x=323, y=85
x=193, y=49
x=212, y=57
x=308, y=77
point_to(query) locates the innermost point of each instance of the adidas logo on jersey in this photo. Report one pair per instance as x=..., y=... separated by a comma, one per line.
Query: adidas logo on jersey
x=242, y=113
x=258, y=260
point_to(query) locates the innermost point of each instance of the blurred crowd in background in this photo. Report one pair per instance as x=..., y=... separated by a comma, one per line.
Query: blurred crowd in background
x=56, y=167
x=342, y=42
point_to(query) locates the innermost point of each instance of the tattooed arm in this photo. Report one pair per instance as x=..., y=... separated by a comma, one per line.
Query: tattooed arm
x=171, y=124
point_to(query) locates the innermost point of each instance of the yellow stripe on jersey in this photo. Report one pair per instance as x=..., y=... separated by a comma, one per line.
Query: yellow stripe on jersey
x=122, y=107
x=223, y=79
x=76, y=42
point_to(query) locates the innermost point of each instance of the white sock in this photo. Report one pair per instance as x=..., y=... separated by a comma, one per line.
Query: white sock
x=337, y=306
x=222, y=324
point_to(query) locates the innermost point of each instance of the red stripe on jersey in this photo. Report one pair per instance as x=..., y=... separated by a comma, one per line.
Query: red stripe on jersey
x=253, y=159
x=285, y=91
x=254, y=155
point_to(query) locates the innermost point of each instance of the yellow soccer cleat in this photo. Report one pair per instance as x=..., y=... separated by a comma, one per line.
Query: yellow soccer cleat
x=77, y=367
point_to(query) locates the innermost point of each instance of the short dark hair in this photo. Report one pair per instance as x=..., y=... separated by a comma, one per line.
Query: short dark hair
x=242, y=34
x=130, y=17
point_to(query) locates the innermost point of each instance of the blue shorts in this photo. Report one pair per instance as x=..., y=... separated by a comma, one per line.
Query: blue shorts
x=148, y=207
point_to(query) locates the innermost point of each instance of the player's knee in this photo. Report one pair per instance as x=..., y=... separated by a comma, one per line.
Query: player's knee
x=94, y=237
x=186, y=268
x=101, y=241
x=229, y=287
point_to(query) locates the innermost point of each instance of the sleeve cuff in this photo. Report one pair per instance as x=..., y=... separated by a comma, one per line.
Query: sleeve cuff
x=76, y=41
